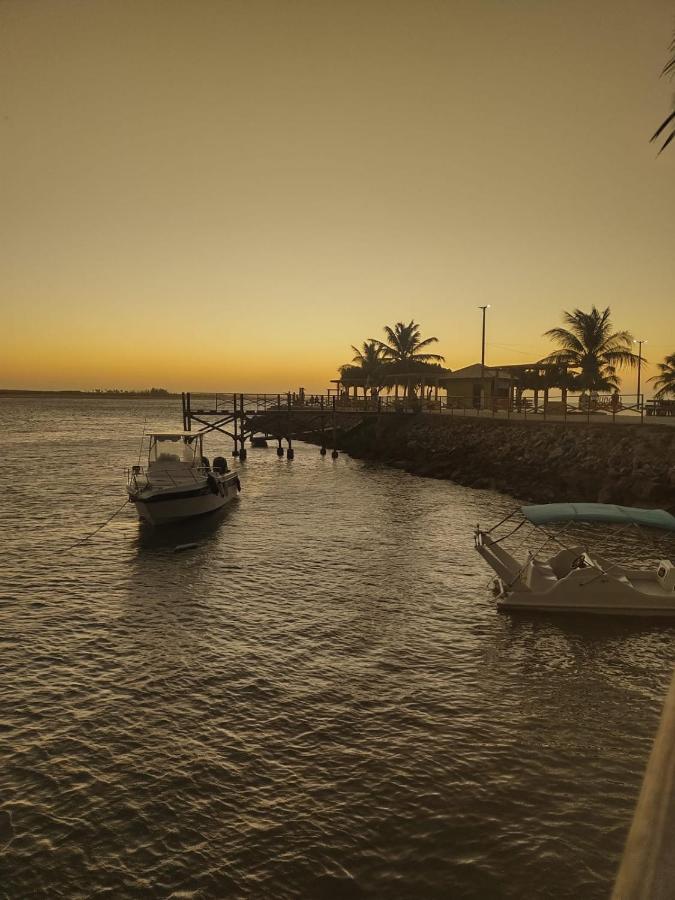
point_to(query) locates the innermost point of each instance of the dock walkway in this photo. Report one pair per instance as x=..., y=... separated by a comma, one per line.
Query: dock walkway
x=285, y=417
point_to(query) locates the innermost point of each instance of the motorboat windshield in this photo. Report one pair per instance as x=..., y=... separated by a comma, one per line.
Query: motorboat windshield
x=176, y=447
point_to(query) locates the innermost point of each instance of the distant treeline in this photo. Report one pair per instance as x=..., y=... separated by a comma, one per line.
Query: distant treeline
x=149, y=392
x=153, y=393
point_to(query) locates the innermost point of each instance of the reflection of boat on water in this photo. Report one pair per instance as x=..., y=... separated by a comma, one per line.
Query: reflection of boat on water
x=178, y=482
x=184, y=534
x=575, y=579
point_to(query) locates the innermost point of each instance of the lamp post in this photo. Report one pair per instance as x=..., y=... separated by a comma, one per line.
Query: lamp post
x=482, y=353
x=639, y=399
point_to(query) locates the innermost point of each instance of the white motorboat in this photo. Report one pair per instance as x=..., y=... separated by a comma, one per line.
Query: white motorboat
x=178, y=481
x=575, y=579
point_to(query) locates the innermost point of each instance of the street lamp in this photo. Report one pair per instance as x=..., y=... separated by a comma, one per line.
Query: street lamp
x=639, y=343
x=482, y=352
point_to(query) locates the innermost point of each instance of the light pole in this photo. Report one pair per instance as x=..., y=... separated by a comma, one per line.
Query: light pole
x=482, y=354
x=639, y=399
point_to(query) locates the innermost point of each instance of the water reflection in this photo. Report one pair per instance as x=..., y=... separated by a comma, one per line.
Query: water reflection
x=199, y=531
x=320, y=693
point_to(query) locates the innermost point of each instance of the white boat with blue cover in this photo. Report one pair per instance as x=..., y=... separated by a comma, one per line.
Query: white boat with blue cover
x=576, y=579
x=178, y=481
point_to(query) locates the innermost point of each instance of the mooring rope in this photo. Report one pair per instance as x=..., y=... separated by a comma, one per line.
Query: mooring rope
x=97, y=529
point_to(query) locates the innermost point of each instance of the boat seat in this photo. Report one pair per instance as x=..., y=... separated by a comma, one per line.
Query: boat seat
x=561, y=563
x=539, y=576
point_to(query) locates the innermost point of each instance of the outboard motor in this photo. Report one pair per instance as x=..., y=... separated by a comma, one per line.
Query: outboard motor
x=220, y=465
x=205, y=462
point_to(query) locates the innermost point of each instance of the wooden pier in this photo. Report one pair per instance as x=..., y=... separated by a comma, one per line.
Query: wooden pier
x=279, y=417
x=284, y=418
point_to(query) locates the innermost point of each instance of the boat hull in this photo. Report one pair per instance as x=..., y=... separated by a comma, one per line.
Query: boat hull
x=164, y=507
x=592, y=595
x=648, y=611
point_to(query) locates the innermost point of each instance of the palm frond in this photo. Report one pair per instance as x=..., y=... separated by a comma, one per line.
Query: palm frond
x=566, y=339
x=426, y=342
x=665, y=381
x=666, y=122
x=666, y=142
x=590, y=346
x=427, y=357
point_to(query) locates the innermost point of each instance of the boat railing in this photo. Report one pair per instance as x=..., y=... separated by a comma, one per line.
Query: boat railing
x=195, y=474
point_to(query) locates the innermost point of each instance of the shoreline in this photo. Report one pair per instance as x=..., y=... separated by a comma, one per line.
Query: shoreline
x=88, y=395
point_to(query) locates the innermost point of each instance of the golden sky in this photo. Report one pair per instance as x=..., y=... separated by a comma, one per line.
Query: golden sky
x=209, y=194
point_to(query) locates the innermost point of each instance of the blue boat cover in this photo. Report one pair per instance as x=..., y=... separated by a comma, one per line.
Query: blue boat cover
x=549, y=513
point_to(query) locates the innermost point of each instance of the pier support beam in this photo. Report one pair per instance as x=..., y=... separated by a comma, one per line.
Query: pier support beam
x=280, y=449
x=334, y=454
x=322, y=451
x=242, y=428
x=290, y=453
x=235, y=451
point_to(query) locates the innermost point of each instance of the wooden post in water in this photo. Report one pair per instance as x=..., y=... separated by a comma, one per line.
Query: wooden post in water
x=242, y=429
x=188, y=401
x=322, y=451
x=334, y=454
x=290, y=453
x=280, y=449
x=235, y=452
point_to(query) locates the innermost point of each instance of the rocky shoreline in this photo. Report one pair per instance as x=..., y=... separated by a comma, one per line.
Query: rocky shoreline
x=632, y=465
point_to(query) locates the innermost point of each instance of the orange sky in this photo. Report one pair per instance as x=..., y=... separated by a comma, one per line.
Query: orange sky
x=226, y=195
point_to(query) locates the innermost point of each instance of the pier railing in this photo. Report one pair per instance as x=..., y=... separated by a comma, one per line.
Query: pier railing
x=536, y=406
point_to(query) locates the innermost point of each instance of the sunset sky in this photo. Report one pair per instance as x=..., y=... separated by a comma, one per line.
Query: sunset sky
x=226, y=195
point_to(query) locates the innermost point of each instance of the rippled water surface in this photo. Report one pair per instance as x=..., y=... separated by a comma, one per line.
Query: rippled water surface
x=320, y=700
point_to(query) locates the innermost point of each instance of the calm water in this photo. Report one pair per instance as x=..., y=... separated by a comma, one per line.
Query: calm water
x=319, y=701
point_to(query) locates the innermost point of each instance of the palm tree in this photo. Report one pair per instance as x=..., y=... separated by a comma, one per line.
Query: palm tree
x=370, y=366
x=590, y=346
x=668, y=69
x=402, y=349
x=665, y=382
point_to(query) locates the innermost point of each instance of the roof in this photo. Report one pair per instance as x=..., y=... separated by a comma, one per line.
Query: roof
x=478, y=371
x=541, y=365
x=550, y=513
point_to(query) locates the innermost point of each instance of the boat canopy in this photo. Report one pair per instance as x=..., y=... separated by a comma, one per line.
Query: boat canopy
x=170, y=447
x=550, y=513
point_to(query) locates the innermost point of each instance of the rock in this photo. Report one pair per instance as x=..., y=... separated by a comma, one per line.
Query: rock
x=539, y=461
